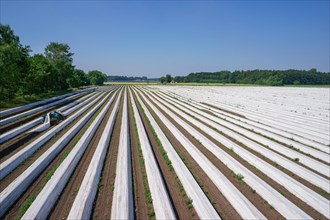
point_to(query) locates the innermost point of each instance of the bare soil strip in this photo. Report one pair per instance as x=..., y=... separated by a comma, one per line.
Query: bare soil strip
x=143, y=209
x=28, y=118
x=223, y=207
x=103, y=200
x=38, y=184
x=225, y=110
x=291, y=174
x=300, y=135
x=7, y=115
x=268, y=160
x=309, y=210
x=142, y=196
x=65, y=201
x=176, y=196
x=301, y=204
x=25, y=164
x=272, y=139
x=14, y=145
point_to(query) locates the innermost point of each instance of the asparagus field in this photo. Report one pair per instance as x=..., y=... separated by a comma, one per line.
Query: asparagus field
x=168, y=152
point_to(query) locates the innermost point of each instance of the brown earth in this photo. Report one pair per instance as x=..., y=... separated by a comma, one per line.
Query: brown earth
x=40, y=181
x=13, y=146
x=176, y=196
x=25, y=164
x=102, y=207
x=17, y=143
x=286, y=171
x=27, y=109
x=65, y=201
x=291, y=174
x=224, y=110
x=29, y=118
x=220, y=203
x=308, y=209
x=284, y=144
x=103, y=200
x=279, y=142
x=140, y=204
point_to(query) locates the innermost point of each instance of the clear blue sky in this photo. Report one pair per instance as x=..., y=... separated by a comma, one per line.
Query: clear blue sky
x=148, y=38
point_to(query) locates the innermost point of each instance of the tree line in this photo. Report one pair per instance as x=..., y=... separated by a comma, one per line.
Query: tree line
x=260, y=77
x=127, y=78
x=23, y=74
x=166, y=79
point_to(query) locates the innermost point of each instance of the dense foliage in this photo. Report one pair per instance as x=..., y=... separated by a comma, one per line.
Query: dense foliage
x=166, y=79
x=260, y=77
x=22, y=74
x=96, y=77
x=127, y=78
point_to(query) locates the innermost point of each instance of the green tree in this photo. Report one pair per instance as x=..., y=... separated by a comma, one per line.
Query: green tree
x=296, y=82
x=60, y=56
x=96, y=77
x=168, y=78
x=78, y=78
x=13, y=63
x=162, y=79
x=41, y=75
x=262, y=77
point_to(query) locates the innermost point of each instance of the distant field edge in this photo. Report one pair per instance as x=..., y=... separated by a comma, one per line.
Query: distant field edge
x=132, y=83
x=217, y=84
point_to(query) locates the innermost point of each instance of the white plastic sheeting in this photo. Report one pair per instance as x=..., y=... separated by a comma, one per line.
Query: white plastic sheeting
x=65, y=113
x=283, y=136
x=122, y=202
x=298, y=120
x=288, y=164
x=201, y=203
x=48, y=196
x=239, y=202
x=45, y=125
x=21, y=108
x=12, y=192
x=76, y=102
x=318, y=202
x=160, y=198
x=83, y=203
x=243, y=128
x=12, y=162
x=34, y=110
x=16, y=131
